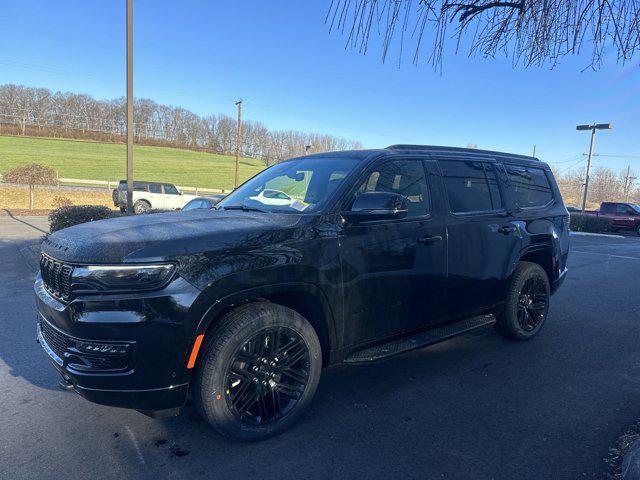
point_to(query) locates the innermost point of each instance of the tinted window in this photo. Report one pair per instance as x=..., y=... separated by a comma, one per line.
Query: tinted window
x=624, y=209
x=405, y=177
x=607, y=208
x=155, y=188
x=470, y=186
x=530, y=186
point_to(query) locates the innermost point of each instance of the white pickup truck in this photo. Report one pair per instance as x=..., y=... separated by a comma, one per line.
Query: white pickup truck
x=150, y=195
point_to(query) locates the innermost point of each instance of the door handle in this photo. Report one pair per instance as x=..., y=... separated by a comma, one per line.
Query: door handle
x=429, y=239
x=507, y=229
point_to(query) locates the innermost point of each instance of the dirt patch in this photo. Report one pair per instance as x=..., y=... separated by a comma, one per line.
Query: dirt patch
x=17, y=198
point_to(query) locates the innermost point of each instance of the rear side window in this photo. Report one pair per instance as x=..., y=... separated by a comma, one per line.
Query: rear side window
x=405, y=177
x=472, y=186
x=530, y=186
x=155, y=188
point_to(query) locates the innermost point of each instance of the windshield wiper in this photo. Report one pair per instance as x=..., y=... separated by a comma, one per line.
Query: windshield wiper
x=244, y=208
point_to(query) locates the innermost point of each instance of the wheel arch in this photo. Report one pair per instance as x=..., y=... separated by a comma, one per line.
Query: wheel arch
x=306, y=299
x=542, y=255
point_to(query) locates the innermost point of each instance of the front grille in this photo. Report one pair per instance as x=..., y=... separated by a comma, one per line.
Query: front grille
x=56, y=277
x=67, y=350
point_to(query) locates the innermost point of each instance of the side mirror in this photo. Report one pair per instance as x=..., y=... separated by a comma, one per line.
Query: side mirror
x=371, y=206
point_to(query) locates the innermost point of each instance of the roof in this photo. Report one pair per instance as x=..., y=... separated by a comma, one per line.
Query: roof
x=427, y=149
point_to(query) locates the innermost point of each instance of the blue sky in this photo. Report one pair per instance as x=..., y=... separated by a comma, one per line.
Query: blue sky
x=279, y=56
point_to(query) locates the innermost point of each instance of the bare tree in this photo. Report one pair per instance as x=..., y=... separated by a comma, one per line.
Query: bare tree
x=528, y=31
x=33, y=174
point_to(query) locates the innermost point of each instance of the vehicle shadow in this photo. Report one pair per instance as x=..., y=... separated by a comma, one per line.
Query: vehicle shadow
x=402, y=397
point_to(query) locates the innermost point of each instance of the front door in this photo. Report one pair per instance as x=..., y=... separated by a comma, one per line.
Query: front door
x=394, y=271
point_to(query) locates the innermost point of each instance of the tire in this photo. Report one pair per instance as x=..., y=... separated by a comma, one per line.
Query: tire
x=527, y=303
x=220, y=394
x=141, y=206
x=638, y=230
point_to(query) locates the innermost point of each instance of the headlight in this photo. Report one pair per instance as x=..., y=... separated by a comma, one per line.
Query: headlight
x=120, y=278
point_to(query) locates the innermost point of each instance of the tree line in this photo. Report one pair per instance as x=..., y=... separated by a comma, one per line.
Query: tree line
x=605, y=185
x=39, y=111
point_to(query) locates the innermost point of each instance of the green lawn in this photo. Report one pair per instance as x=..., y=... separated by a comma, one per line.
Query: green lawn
x=106, y=161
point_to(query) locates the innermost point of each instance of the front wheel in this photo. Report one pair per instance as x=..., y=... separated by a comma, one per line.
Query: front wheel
x=259, y=372
x=527, y=303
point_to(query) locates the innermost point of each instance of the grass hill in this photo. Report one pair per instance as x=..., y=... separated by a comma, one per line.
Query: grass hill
x=106, y=161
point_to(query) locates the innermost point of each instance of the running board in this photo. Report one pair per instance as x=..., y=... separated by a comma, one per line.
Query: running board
x=419, y=340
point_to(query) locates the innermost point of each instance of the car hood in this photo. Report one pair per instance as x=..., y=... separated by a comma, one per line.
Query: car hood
x=155, y=237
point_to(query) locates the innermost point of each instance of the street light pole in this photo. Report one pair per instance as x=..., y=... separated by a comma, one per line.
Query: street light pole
x=593, y=127
x=238, y=142
x=129, y=107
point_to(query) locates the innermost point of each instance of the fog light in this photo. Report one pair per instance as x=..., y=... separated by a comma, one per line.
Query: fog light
x=103, y=348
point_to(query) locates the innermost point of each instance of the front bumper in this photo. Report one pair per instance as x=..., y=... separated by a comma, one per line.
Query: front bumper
x=121, y=351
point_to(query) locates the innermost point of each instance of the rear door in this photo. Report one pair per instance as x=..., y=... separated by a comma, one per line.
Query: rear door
x=155, y=196
x=483, y=237
x=394, y=271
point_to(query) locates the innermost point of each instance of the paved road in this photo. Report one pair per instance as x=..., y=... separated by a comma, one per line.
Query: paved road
x=476, y=407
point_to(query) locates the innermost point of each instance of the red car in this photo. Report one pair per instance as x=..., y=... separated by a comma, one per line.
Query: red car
x=623, y=215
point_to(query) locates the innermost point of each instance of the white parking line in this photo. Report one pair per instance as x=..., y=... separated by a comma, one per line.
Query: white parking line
x=604, y=254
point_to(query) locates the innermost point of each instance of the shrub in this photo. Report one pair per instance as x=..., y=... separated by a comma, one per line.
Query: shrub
x=590, y=223
x=69, y=216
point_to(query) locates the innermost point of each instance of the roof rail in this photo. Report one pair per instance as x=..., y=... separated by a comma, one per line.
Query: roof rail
x=440, y=148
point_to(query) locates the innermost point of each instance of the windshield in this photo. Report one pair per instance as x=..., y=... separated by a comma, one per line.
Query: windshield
x=302, y=185
x=635, y=207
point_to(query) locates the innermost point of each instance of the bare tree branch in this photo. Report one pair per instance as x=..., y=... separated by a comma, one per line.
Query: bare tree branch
x=530, y=32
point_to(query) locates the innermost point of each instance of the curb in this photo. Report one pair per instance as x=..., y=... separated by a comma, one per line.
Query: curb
x=589, y=234
x=631, y=463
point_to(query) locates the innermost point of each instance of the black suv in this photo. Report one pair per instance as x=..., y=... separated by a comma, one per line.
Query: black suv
x=367, y=255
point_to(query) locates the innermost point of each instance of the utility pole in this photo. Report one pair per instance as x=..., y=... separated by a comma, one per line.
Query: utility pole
x=628, y=181
x=129, y=107
x=238, y=141
x=593, y=127
x=534, y=151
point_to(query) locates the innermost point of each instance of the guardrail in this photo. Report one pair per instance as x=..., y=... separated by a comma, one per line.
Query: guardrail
x=111, y=184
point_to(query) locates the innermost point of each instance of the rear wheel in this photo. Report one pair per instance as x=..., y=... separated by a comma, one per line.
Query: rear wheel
x=638, y=229
x=527, y=303
x=259, y=372
x=141, y=206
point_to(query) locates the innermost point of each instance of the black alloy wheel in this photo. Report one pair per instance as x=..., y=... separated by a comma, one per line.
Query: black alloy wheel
x=532, y=303
x=267, y=376
x=258, y=372
x=527, y=303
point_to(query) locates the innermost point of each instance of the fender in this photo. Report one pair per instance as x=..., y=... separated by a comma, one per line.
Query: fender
x=219, y=305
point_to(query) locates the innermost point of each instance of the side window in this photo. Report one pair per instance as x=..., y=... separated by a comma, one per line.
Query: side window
x=170, y=189
x=405, y=177
x=623, y=209
x=530, y=185
x=471, y=185
x=155, y=188
x=607, y=208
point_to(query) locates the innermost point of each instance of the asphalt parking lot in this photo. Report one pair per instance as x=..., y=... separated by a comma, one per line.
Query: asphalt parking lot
x=476, y=407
